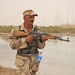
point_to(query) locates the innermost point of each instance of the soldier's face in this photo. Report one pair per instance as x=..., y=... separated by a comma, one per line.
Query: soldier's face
x=29, y=19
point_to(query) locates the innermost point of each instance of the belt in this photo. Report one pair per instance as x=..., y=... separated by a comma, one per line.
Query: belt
x=32, y=50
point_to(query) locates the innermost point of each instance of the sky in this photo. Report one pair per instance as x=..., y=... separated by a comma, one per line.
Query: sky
x=50, y=12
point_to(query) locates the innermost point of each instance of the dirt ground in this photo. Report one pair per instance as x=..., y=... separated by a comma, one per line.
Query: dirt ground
x=8, y=71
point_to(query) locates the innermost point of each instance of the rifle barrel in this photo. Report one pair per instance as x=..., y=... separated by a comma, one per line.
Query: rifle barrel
x=65, y=40
x=59, y=38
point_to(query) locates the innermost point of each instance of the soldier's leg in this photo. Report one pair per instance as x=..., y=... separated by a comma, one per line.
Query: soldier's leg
x=34, y=73
x=24, y=72
x=34, y=65
x=23, y=64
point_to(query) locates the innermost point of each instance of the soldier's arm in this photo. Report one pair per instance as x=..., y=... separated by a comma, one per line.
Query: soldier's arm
x=41, y=44
x=14, y=42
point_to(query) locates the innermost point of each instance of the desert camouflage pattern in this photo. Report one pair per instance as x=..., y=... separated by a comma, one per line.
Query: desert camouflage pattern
x=29, y=12
x=26, y=63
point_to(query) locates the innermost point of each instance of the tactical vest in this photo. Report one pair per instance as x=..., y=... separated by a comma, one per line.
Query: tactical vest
x=32, y=47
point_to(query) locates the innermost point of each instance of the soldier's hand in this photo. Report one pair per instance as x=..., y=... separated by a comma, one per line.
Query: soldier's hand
x=29, y=38
x=44, y=38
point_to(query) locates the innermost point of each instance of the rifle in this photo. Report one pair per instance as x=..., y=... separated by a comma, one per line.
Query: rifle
x=18, y=33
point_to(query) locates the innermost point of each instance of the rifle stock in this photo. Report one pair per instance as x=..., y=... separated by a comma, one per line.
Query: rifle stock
x=18, y=33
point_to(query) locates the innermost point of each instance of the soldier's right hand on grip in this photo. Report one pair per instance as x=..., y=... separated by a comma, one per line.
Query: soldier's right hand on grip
x=29, y=38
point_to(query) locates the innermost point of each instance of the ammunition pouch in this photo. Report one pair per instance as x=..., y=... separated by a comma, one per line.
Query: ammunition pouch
x=29, y=50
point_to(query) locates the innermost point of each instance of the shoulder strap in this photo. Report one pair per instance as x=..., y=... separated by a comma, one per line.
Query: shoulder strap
x=20, y=28
x=35, y=29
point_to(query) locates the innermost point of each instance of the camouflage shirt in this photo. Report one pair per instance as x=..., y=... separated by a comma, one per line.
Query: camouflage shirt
x=21, y=43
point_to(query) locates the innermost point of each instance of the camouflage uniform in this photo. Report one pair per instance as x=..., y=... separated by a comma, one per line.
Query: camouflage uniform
x=26, y=63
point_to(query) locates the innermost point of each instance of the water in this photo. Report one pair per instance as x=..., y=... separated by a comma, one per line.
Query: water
x=58, y=57
x=7, y=55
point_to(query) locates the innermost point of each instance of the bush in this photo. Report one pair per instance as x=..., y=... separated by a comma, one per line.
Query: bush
x=50, y=29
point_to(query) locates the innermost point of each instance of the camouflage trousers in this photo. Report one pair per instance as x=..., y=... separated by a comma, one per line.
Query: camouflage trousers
x=27, y=65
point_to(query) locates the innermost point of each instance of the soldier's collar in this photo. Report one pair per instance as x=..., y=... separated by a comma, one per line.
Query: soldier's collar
x=23, y=28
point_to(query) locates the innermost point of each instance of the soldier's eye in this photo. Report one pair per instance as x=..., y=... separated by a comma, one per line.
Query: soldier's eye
x=31, y=16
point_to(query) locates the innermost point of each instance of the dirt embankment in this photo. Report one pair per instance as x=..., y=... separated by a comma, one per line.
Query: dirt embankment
x=8, y=71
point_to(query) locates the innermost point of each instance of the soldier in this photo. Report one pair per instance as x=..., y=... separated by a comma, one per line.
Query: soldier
x=27, y=47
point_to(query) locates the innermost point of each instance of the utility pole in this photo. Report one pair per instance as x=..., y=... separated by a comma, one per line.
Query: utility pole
x=43, y=21
x=67, y=17
x=57, y=17
x=72, y=18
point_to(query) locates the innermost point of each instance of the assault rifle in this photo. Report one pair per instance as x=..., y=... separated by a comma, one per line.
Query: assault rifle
x=18, y=33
